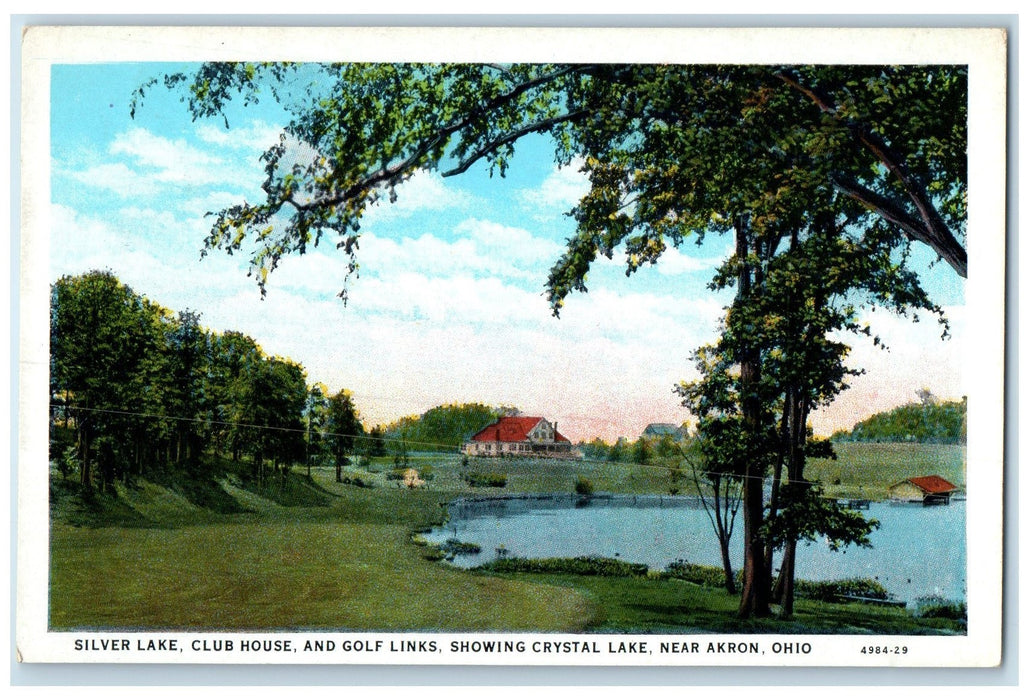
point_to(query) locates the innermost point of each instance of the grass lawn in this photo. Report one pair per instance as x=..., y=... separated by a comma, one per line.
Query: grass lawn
x=658, y=605
x=316, y=554
x=277, y=575
x=869, y=469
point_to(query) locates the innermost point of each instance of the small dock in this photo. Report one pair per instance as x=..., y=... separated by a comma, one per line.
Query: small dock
x=856, y=503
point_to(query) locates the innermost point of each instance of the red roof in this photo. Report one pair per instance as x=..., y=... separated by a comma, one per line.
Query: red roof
x=933, y=484
x=512, y=429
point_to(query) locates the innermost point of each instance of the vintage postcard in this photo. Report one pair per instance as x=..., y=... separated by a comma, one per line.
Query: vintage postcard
x=553, y=347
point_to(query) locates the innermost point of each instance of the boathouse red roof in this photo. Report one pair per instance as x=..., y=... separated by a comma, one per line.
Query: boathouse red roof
x=512, y=429
x=932, y=484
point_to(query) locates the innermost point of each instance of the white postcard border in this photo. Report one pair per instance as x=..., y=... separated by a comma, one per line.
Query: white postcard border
x=984, y=50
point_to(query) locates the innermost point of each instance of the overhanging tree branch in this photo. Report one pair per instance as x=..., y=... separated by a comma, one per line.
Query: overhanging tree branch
x=928, y=227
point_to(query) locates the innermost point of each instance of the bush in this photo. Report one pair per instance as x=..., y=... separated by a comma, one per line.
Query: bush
x=711, y=576
x=834, y=591
x=484, y=479
x=581, y=566
x=357, y=481
x=937, y=606
x=68, y=462
x=452, y=546
x=583, y=486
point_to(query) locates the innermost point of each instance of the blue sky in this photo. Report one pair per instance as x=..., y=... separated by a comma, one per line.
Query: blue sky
x=449, y=304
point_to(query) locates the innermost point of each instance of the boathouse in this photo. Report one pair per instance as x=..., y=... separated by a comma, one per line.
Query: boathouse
x=520, y=436
x=927, y=490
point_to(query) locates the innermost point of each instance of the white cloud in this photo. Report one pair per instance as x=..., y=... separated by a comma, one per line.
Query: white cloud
x=674, y=262
x=174, y=161
x=561, y=190
x=256, y=136
x=509, y=247
x=116, y=177
x=424, y=191
x=486, y=249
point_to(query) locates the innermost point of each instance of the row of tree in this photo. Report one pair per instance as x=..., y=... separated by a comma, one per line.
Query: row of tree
x=644, y=450
x=443, y=428
x=930, y=421
x=141, y=388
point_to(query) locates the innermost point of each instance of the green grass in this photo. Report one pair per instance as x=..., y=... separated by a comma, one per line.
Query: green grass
x=285, y=575
x=317, y=554
x=869, y=469
x=654, y=605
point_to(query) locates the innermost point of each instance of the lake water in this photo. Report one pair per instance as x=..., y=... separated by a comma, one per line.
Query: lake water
x=916, y=551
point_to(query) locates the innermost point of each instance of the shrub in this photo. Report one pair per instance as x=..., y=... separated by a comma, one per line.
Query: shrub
x=484, y=479
x=453, y=546
x=583, y=486
x=712, y=576
x=581, y=566
x=357, y=481
x=834, y=591
x=937, y=606
x=68, y=462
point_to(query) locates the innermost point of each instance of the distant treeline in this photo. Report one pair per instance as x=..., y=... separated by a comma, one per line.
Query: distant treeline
x=444, y=428
x=136, y=389
x=644, y=450
x=931, y=421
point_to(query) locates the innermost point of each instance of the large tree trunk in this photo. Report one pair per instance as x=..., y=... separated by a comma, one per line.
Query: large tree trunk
x=754, y=600
x=797, y=412
x=785, y=583
x=85, y=475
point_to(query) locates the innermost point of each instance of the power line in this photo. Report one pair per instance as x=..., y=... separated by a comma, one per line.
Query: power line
x=428, y=446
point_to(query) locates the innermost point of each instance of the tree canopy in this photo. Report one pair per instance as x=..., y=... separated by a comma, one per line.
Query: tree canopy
x=137, y=389
x=659, y=143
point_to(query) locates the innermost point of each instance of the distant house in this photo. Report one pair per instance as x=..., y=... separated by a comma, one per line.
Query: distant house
x=656, y=431
x=928, y=490
x=520, y=436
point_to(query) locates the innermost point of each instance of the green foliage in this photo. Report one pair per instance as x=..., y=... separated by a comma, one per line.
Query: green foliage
x=444, y=428
x=142, y=392
x=806, y=514
x=835, y=591
x=485, y=479
x=343, y=428
x=827, y=591
x=691, y=146
x=943, y=422
x=939, y=607
x=641, y=452
x=712, y=576
x=580, y=566
x=595, y=449
x=357, y=481
x=583, y=486
x=452, y=546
